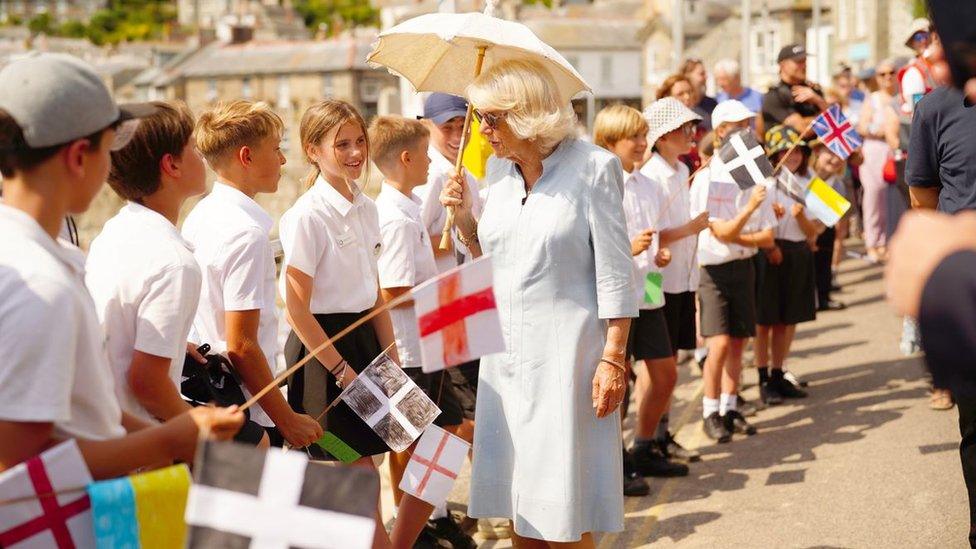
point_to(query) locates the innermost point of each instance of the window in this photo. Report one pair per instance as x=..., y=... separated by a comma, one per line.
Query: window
x=284, y=92
x=765, y=46
x=246, y=87
x=369, y=90
x=843, y=20
x=860, y=19
x=212, y=94
x=606, y=70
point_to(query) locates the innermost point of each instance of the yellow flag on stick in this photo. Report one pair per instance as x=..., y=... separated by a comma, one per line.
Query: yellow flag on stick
x=476, y=152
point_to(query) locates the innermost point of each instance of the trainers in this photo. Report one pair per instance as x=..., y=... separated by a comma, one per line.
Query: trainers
x=650, y=461
x=792, y=378
x=737, y=424
x=495, y=528
x=715, y=429
x=746, y=407
x=787, y=389
x=769, y=394
x=446, y=529
x=677, y=452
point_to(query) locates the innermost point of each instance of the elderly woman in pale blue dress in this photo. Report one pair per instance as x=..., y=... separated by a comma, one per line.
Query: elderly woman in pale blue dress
x=547, y=441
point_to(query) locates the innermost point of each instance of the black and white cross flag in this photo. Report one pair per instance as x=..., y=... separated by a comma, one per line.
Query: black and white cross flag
x=243, y=497
x=745, y=159
x=391, y=403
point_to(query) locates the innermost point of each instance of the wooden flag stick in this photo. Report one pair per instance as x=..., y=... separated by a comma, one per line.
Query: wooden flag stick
x=325, y=345
x=449, y=222
x=793, y=147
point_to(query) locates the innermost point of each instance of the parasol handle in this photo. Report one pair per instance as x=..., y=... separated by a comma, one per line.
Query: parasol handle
x=449, y=222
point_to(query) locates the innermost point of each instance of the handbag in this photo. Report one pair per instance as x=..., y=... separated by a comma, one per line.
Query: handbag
x=214, y=382
x=890, y=170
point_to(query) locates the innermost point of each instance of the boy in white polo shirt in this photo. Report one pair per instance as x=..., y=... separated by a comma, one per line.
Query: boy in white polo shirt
x=54, y=380
x=228, y=230
x=399, y=150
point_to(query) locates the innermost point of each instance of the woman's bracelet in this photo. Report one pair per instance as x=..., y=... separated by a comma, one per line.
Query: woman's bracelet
x=468, y=241
x=615, y=364
x=332, y=371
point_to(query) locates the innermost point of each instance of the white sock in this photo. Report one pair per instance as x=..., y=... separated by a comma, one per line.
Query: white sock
x=700, y=353
x=727, y=402
x=709, y=406
x=439, y=512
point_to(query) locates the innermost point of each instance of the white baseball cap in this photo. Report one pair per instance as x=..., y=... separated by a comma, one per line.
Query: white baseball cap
x=666, y=115
x=730, y=111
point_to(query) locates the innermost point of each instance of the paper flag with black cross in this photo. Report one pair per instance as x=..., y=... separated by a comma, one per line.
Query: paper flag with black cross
x=246, y=497
x=745, y=159
x=391, y=403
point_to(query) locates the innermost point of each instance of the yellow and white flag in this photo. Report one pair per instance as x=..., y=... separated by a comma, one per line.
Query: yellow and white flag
x=825, y=203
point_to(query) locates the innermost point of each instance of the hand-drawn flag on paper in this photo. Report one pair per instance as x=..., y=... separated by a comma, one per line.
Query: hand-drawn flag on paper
x=837, y=132
x=246, y=497
x=457, y=317
x=745, y=159
x=825, y=203
x=434, y=466
x=391, y=403
x=722, y=199
x=789, y=184
x=141, y=511
x=44, y=519
x=653, y=292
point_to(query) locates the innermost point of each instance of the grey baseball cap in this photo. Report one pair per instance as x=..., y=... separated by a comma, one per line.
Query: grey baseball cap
x=57, y=98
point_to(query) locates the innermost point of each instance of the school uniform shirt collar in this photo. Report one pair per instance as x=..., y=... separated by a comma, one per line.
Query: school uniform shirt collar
x=438, y=162
x=659, y=165
x=71, y=256
x=409, y=205
x=230, y=195
x=155, y=219
x=333, y=198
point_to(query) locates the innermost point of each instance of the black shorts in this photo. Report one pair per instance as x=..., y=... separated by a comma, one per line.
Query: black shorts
x=727, y=297
x=465, y=379
x=786, y=293
x=649, y=336
x=439, y=387
x=679, y=313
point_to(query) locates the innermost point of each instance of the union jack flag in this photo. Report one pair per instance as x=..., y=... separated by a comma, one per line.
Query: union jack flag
x=837, y=132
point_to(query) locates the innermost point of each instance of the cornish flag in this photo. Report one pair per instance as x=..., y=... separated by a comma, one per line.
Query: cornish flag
x=245, y=497
x=837, y=132
x=434, y=466
x=41, y=519
x=457, y=317
x=390, y=403
x=745, y=159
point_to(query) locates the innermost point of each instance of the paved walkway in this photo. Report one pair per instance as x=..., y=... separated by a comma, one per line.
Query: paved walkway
x=863, y=462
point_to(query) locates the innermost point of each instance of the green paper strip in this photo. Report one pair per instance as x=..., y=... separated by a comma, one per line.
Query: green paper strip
x=335, y=446
x=653, y=294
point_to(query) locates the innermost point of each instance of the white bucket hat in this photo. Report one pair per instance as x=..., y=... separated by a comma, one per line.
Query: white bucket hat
x=666, y=115
x=730, y=111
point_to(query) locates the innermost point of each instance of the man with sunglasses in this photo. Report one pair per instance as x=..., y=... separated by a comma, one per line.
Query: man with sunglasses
x=915, y=79
x=794, y=101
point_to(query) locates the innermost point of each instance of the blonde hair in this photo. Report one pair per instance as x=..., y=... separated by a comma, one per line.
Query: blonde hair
x=391, y=135
x=230, y=126
x=320, y=119
x=528, y=94
x=617, y=122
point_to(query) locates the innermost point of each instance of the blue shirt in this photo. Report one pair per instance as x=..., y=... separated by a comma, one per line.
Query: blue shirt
x=749, y=97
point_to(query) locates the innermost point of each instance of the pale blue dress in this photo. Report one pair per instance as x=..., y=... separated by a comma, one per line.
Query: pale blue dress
x=562, y=267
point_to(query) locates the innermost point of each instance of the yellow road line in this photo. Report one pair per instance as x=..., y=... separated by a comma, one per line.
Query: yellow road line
x=660, y=502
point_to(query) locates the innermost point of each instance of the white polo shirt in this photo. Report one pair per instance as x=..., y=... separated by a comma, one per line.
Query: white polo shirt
x=714, y=191
x=788, y=227
x=644, y=208
x=146, y=286
x=407, y=260
x=433, y=212
x=682, y=274
x=336, y=242
x=229, y=234
x=53, y=366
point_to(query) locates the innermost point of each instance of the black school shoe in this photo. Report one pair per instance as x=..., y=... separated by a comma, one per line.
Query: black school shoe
x=446, y=529
x=677, y=452
x=650, y=461
x=769, y=393
x=634, y=483
x=746, y=407
x=714, y=427
x=737, y=424
x=787, y=389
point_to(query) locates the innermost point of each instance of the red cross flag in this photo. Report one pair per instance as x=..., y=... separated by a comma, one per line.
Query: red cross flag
x=457, y=317
x=40, y=518
x=434, y=465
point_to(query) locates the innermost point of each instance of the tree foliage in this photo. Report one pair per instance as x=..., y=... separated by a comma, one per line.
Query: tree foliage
x=119, y=21
x=334, y=14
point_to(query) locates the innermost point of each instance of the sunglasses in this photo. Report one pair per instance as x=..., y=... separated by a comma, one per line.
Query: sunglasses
x=489, y=119
x=690, y=128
